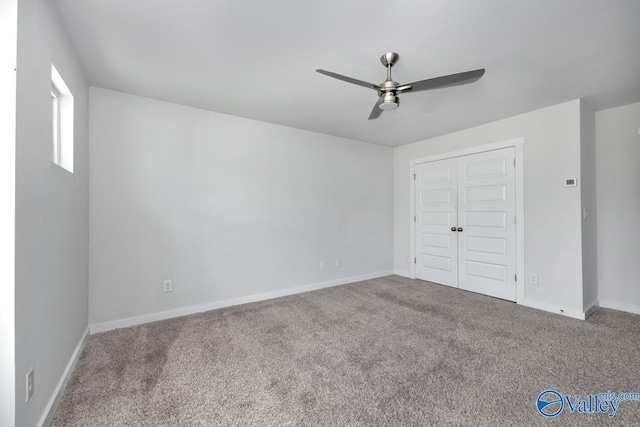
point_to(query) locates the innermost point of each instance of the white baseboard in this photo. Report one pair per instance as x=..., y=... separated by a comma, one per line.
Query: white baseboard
x=620, y=306
x=403, y=273
x=552, y=308
x=184, y=311
x=50, y=409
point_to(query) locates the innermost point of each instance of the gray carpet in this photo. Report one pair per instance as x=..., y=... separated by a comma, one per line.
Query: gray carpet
x=389, y=351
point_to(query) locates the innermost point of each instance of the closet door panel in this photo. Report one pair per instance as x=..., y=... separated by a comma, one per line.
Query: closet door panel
x=486, y=217
x=436, y=199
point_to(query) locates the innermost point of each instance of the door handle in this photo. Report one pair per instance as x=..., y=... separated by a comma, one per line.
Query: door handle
x=453, y=229
x=460, y=229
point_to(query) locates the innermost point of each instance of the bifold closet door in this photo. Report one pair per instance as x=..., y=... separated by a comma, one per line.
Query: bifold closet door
x=486, y=217
x=436, y=199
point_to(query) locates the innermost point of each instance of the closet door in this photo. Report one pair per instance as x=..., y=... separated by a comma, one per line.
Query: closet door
x=486, y=221
x=436, y=200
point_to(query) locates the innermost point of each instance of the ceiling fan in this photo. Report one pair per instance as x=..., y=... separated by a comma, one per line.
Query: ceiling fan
x=389, y=90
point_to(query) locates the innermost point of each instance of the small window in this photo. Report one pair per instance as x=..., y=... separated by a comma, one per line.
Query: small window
x=61, y=121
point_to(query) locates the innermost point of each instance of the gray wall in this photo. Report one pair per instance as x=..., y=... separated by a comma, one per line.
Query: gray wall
x=226, y=207
x=618, y=160
x=51, y=213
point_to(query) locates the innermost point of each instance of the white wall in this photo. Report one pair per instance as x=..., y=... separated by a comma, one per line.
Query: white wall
x=618, y=160
x=587, y=184
x=51, y=213
x=552, y=212
x=225, y=206
x=8, y=45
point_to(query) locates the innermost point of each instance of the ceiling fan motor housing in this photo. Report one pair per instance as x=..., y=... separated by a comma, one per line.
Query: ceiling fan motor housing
x=388, y=98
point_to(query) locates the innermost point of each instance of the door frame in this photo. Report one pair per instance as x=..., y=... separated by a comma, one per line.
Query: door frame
x=518, y=145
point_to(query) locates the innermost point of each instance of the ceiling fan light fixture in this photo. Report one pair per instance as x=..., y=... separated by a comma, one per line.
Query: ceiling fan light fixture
x=389, y=101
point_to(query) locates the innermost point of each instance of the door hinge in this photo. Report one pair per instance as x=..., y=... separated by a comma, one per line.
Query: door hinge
x=414, y=176
x=515, y=219
x=514, y=163
x=516, y=277
x=414, y=260
x=414, y=218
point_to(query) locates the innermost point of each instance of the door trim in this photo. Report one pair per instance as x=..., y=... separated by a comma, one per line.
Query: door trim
x=518, y=145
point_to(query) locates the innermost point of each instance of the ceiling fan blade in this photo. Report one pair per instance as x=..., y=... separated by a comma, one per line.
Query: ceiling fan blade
x=443, y=81
x=375, y=113
x=349, y=79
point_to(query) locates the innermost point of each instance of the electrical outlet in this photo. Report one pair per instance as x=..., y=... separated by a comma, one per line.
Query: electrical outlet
x=323, y=264
x=533, y=279
x=338, y=263
x=29, y=384
x=168, y=285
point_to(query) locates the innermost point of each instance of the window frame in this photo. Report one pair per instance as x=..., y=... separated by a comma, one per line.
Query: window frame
x=55, y=123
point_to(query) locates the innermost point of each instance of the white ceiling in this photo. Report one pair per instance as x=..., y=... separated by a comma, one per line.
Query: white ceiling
x=257, y=58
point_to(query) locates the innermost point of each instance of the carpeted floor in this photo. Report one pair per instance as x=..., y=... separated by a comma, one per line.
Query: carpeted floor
x=389, y=351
